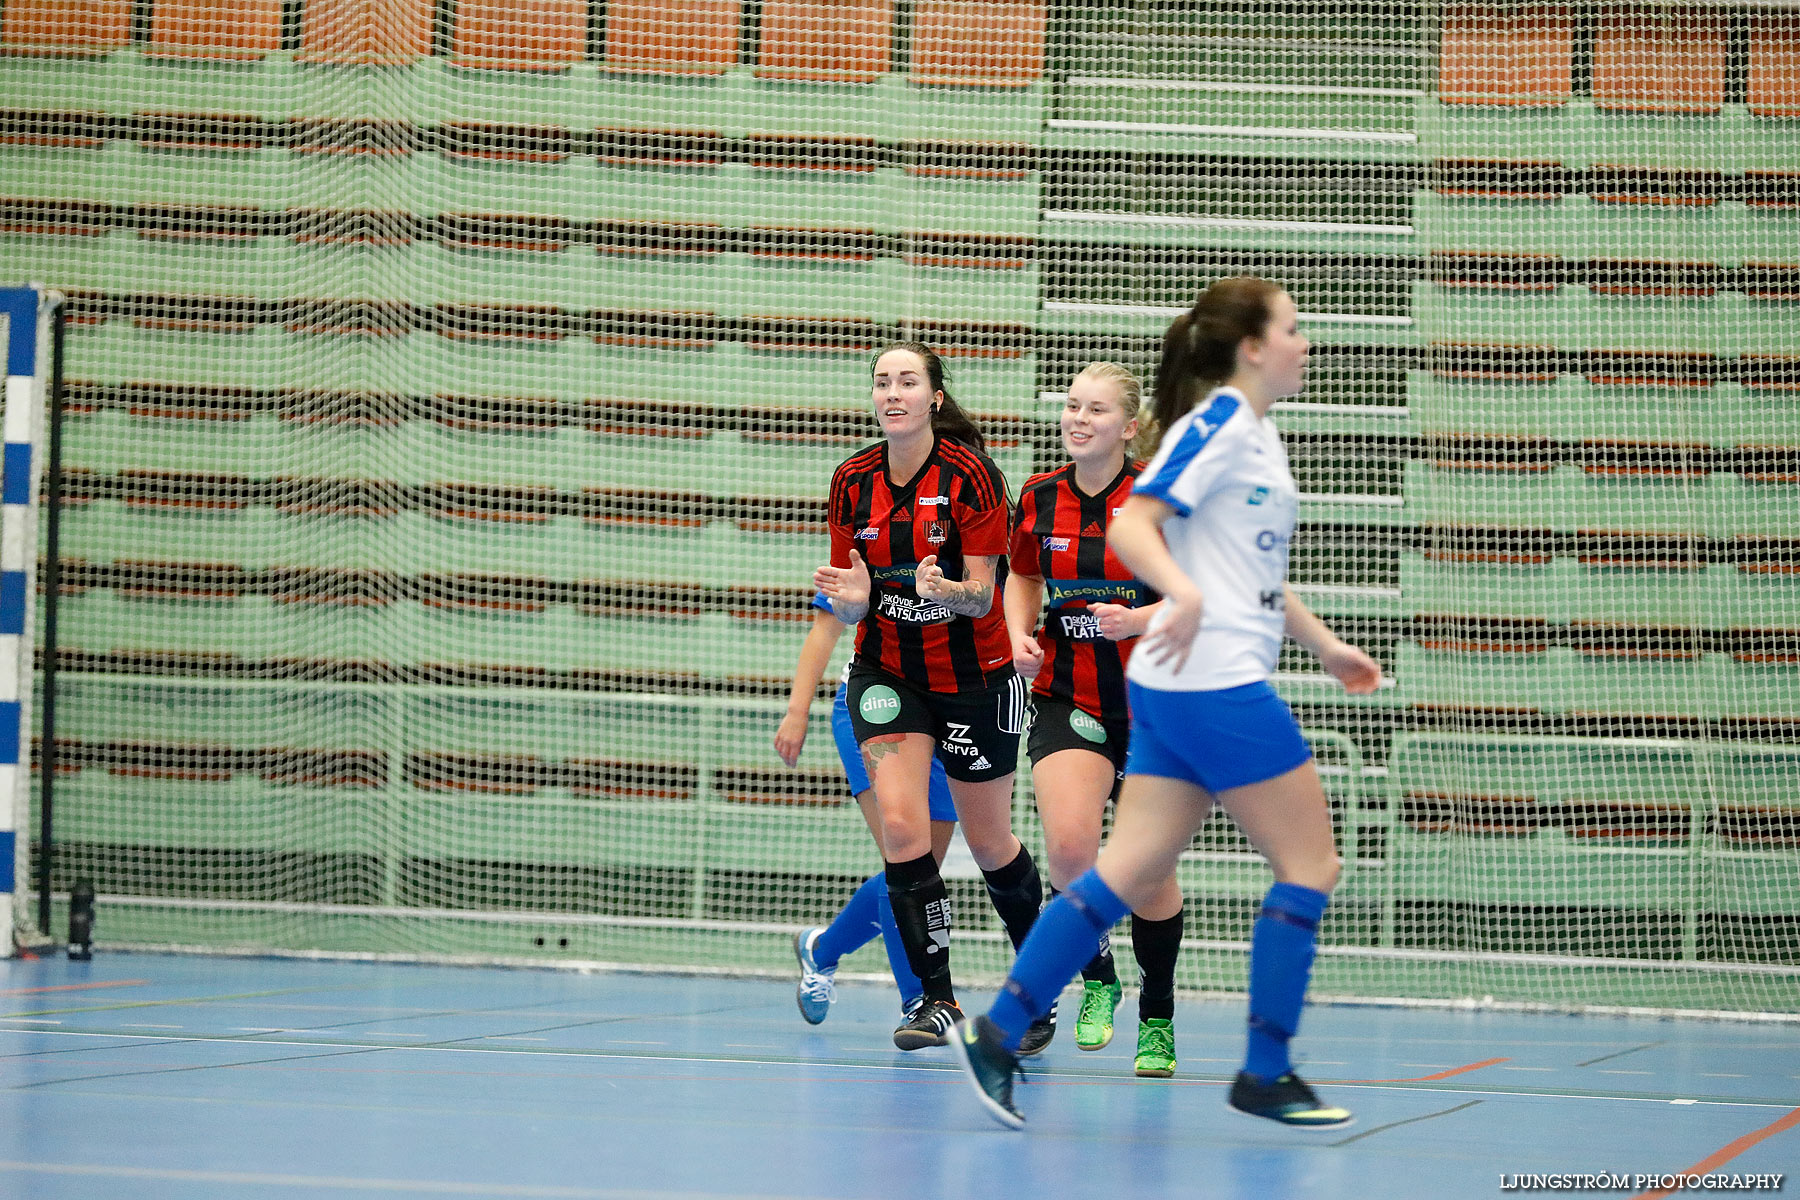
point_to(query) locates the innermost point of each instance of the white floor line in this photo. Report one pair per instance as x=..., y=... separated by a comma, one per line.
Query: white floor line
x=432, y=1187
x=940, y=1064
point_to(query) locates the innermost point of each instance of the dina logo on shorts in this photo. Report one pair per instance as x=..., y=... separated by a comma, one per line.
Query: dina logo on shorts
x=879, y=705
x=1087, y=727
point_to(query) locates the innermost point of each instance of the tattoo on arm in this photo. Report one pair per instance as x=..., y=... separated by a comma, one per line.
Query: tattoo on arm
x=972, y=599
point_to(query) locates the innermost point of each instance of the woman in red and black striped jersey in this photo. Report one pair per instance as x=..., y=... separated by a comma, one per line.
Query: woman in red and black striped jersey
x=918, y=531
x=1076, y=660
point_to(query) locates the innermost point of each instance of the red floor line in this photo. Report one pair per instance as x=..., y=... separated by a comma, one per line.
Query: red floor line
x=74, y=987
x=1462, y=1070
x=1720, y=1157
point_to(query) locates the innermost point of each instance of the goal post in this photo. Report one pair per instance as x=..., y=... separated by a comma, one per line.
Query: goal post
x=27, y=316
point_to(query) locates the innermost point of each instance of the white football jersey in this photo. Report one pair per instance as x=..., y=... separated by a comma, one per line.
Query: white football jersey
x=1224, y=472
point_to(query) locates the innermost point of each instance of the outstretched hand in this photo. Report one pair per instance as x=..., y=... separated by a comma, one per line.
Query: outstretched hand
x=849, y=584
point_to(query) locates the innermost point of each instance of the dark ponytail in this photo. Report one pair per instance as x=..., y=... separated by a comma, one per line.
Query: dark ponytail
x=1200, y=348
x=948, y=420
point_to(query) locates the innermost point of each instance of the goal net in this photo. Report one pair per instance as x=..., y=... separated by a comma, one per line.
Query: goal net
x=453, y=390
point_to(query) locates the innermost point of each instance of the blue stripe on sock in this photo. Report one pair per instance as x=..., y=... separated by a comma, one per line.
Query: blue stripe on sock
x=856, y=924
x=1282, y=945
x=1288, y=918
x=1062, y=941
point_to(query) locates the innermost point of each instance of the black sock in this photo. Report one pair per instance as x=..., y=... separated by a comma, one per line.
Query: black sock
x=1157, y=943
x=1017, y=893
x=1100, y=968
x=922, y=913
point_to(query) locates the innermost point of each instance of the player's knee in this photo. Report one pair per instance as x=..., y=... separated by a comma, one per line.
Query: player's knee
x=1068, y=856
x=1320, y=872
x=903, y=839
x=990, y=848
x=1321, y=875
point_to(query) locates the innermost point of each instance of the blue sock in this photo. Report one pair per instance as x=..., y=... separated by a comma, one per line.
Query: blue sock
x=904, y=979
x=1064, y=937
x=856, y=924
x=1281, y=957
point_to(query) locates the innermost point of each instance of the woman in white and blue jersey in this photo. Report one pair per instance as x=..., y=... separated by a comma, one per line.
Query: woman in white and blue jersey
x=868, y=912
x=1208, y=526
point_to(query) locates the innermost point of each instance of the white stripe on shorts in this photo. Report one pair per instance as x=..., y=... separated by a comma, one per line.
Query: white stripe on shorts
x=1018, y=699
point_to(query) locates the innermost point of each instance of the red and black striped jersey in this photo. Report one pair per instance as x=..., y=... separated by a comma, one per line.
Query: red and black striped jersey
x=954, y=507
x=1059, y=536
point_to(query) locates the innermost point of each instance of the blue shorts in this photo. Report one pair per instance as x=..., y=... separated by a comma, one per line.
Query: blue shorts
x=1219, y=740
x=942, y=809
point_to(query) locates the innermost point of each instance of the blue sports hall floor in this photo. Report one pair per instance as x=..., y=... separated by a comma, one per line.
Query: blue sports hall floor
x=195, y=1077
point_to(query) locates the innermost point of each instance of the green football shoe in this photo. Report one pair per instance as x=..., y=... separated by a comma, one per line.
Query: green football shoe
x=1156, y=1048
x=1094, y=1024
